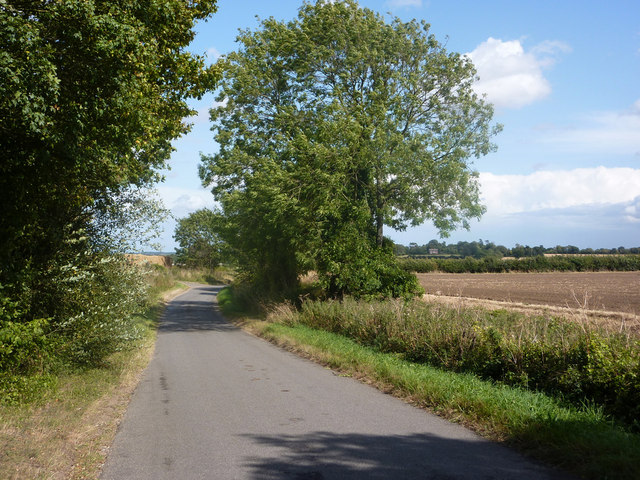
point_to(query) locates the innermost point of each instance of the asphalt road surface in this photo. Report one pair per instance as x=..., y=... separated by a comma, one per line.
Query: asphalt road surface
x=218, y=403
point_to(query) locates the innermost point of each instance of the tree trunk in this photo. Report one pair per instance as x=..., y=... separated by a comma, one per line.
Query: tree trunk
x=379, y=209
x=379, y=227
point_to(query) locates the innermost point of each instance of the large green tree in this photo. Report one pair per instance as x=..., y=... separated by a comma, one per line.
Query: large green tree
x=200, y=243
x=92, y=93
x=339, y=123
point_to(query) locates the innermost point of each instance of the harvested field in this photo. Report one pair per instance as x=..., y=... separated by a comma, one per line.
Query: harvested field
x=140, y=258
x=602, y=294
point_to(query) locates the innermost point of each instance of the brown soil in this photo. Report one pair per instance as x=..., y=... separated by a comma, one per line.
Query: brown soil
x=608, y=295
x=609, y=291
x=163, y=260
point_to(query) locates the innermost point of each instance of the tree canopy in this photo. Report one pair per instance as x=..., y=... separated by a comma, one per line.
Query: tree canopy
x=92, y=93
x=336, y=124
x=200, y=243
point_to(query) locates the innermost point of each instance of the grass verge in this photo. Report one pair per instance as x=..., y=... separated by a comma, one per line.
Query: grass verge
x=580, y=441
x=217, y=276
x=574, y=360
x=66, y=432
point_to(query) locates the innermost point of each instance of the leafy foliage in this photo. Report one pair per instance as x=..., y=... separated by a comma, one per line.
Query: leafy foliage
x=127, y=220
x=22, y=344
x=96, y=297
x=91, y=95
x=582, y=263
x=200, y=244
x=352, y=265
x=333, y=125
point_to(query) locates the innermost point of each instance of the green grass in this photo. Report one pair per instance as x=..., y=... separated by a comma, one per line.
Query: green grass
x=225, y=300
x=565, y=358
x=217, y=276
x=163, y=278
x=581, y=441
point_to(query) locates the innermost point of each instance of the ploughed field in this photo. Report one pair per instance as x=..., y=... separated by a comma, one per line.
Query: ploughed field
x=599, y=291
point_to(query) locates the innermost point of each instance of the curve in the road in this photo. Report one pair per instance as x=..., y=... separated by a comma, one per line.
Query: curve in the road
x=218, y=403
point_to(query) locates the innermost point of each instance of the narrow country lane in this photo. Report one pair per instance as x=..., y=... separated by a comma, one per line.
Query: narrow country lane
x=218, y=403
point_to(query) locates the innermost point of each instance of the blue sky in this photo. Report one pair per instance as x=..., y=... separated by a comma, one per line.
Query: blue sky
x=564, y=77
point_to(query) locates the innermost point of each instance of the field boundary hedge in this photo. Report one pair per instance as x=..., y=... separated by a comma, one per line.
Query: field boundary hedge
x=577, y=263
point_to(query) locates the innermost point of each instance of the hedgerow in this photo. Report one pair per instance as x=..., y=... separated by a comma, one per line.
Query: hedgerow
x=582, y=263
x=92, y=299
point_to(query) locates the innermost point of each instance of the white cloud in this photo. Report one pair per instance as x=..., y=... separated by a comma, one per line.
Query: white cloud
x=405, y=3
x=223, y=103
x=182, y=201
x=511, y=77
x=213, y=53
x=547, y=52
x=587, y=207
x=632, y=210
x=202, y=114
x=551, y=190
x=603, y=132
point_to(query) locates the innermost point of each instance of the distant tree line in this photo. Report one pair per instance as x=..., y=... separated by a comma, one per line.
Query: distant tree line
x=483, y=249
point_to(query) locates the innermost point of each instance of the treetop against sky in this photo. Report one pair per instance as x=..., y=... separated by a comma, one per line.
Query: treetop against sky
x=563, y=78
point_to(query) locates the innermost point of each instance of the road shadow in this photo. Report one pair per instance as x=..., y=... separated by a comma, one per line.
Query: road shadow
x=324, y=455
x=195, y=311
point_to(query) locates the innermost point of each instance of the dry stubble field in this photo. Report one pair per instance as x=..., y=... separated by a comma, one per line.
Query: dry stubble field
x=613, y=294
